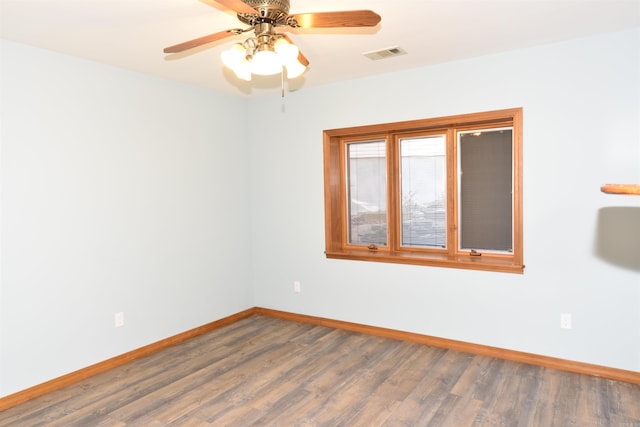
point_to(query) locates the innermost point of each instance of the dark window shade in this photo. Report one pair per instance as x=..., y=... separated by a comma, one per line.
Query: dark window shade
x=486, y=190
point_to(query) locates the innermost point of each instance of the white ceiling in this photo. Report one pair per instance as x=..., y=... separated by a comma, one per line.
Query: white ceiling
x=132, y=33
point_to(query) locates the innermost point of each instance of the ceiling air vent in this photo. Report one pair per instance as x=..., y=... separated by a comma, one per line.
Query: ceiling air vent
x=385, y=53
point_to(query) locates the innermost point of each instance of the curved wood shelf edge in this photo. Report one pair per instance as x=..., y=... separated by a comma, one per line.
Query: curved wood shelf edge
x=633, y=189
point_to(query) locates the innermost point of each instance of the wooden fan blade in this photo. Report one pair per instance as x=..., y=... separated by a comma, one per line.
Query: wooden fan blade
x=347, y=18
x=303, y=59
x=199, y=41
x=237, y=6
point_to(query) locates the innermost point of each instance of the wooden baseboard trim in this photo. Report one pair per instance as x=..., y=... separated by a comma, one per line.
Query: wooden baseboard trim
x=76, y=376
x=500, y=353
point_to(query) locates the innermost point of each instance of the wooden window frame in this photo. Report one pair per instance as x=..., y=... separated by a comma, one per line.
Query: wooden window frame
x=335, y=189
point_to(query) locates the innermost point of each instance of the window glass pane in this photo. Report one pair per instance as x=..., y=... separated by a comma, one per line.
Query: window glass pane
x=367, y=204
x=424, y=187
x=485, y=190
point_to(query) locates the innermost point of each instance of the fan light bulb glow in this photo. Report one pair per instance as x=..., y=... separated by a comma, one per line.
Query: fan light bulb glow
x=266, y=63
x=233, y=57
x=294, y=69
x=287, y=51
x=243, y=70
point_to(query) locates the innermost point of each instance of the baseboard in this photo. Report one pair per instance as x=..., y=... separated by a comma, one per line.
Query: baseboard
x=500, y=353
x=84, y=373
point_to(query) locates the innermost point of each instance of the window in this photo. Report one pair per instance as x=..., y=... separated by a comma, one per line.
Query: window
x=443, y=192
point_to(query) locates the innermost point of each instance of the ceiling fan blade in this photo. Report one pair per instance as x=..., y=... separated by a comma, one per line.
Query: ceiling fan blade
x=303, y=59
x=200, y=41
x=237, y=6
x=347, y=18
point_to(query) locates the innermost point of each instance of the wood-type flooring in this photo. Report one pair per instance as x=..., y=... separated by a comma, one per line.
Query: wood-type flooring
x=262, y=371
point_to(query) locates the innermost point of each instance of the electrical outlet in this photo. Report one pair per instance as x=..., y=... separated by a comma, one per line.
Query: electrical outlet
x=565, y=321
x=118, y=319
x=296, y=287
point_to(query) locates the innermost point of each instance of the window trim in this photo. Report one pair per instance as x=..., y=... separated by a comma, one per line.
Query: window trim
x=336, y=229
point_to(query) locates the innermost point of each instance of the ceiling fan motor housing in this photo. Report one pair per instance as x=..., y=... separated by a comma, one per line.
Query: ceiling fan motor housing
x=270, y=9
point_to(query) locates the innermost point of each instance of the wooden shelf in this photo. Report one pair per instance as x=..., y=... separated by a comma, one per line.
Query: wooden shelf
x=633, y=189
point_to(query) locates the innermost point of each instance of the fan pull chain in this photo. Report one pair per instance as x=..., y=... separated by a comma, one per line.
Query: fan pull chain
x=283, y=107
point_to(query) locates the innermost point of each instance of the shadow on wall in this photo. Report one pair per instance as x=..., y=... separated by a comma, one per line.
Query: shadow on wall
x=618, y=236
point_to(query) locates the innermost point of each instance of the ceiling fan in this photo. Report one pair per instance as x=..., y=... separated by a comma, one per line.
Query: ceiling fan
x=267, y=51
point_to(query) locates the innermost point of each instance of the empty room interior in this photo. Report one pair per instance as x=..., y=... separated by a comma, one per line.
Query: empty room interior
x=160, y=204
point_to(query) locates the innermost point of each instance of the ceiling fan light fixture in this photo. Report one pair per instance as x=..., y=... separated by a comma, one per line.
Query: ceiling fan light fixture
x=294, y=69
x=265, y=62
x=287, y=51
x=233, y=56
x=269, y=52
x=243, y=70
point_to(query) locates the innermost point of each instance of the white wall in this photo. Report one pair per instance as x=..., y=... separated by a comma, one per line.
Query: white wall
x=581, y=106
x=120, y=192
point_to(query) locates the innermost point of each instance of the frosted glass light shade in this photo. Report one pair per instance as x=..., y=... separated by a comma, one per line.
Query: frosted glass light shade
x=233, y=56
x=243, y=70
x=287, y=51
x=265, y=63
x=294, y=69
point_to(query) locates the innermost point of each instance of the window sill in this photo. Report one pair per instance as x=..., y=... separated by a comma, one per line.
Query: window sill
x=485, y=263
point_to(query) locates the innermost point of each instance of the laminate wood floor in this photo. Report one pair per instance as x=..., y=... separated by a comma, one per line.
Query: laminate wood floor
x=263, y=371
